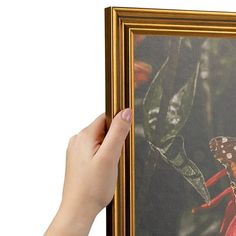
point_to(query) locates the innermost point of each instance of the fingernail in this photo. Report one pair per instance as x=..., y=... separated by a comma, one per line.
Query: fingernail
x=126, y=115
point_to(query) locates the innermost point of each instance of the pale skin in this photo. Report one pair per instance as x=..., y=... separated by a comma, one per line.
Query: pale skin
x=91, y=173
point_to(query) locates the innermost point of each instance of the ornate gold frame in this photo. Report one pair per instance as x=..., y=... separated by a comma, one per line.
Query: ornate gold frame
x=120, y=26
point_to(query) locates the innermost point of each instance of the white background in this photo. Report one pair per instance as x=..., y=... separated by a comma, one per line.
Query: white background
x=51, y=86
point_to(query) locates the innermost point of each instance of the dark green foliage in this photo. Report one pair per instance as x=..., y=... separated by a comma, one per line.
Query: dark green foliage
x=189, y=100
x=166, y=112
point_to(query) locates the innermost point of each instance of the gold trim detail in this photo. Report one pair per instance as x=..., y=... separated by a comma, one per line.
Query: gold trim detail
x=120, y=26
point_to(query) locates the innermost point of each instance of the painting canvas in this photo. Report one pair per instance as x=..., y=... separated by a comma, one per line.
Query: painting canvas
x=184, y=135
x=177, y=71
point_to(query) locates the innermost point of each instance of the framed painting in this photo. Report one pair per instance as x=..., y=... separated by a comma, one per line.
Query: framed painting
x=177, y=71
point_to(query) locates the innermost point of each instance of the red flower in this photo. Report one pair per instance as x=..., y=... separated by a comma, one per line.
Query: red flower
x=228, y=227
x=142, y=72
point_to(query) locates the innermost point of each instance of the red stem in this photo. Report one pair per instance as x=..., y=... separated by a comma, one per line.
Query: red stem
x=216, y=177
x=214, y=201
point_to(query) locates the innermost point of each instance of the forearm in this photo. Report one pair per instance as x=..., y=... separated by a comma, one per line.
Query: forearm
x=71, y=222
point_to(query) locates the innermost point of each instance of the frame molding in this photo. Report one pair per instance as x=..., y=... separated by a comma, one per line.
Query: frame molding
x=120, y=26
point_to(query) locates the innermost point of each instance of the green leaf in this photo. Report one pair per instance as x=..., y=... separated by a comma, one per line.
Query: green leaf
x=179, y=108
x=176, y=157
x=178, y=111
x=152, y=100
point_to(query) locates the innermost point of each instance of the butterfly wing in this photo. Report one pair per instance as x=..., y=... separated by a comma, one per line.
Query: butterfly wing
x=224, y=150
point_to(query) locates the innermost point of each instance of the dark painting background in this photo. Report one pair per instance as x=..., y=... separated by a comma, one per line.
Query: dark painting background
x=164, y=199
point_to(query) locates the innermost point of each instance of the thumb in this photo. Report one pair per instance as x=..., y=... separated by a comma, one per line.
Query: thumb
x=115, y=137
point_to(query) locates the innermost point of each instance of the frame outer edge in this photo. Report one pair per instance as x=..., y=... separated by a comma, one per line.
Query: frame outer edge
x=115, y=218
x=108, y=99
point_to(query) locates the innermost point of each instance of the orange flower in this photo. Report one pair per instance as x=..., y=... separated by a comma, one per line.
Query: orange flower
x=142, y=72
x=138, y=39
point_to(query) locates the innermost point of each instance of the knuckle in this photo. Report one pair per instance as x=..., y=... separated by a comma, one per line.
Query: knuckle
x=71, y=143
x=72, y=138
x=83, y=133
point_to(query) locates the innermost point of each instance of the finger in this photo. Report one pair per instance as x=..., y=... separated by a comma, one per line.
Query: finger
x=96, y=129
x=112, y=144
x=93, y=135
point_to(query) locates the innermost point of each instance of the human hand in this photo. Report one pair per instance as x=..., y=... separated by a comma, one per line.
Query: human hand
x=91, y=174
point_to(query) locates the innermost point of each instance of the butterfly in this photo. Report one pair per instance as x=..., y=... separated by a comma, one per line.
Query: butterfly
x=224, y=150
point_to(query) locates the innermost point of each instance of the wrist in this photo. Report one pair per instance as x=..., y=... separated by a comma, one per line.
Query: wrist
x=72, y=220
